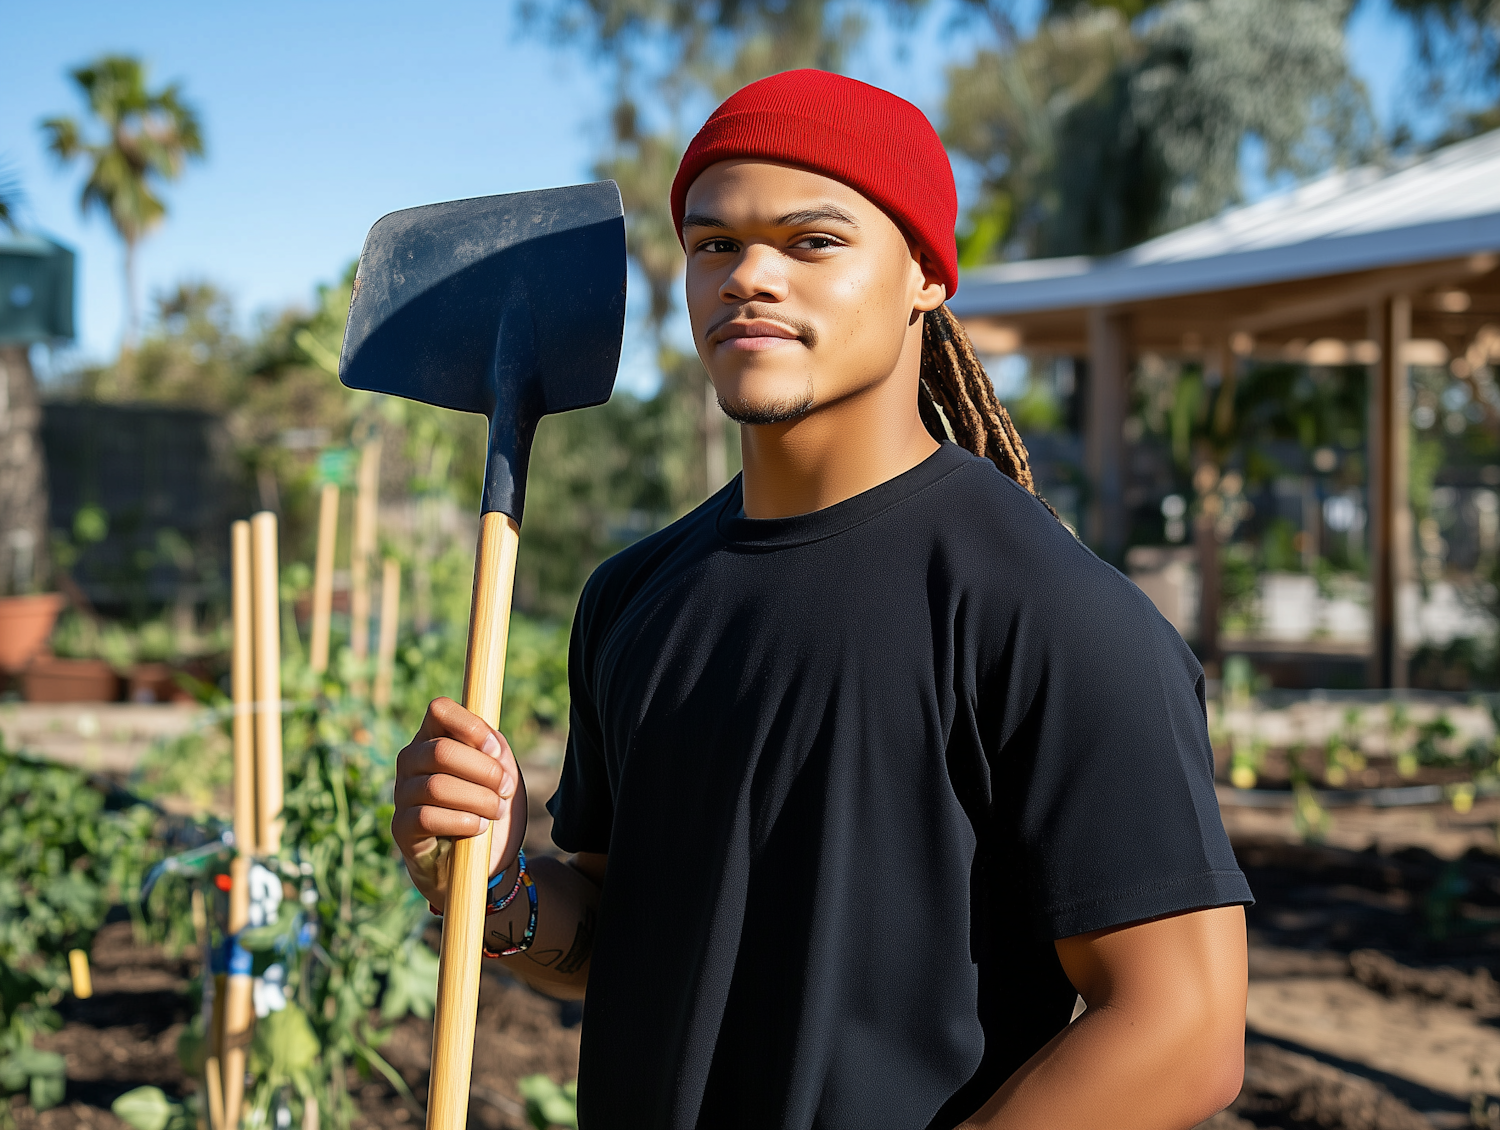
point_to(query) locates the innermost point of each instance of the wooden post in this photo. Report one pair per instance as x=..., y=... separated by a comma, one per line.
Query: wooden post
x=322, y=602
x=1205, y=535
x=1104, y=446
x=366, y=507
x=1390, y=516
x=212, y=1015
x=233, y=1004
x=390, y=612
x=266, y=605
x=463, y=921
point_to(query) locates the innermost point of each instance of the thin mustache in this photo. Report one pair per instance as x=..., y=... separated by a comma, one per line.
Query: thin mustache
x=804, y=331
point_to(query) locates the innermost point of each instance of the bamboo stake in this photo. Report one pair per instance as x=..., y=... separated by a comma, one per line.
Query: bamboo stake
x=266, y=604
x=239, y=1010
x=322, y=603
x=390, y=611
x=213, y=995
x=242, y=689
x=233, y=1004
x=366, y=507
x=463, y=920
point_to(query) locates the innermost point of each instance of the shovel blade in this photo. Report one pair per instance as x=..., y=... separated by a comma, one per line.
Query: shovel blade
x=509, y=306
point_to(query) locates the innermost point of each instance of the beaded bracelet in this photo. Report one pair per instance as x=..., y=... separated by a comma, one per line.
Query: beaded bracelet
x=491, y=906
x=523, y=879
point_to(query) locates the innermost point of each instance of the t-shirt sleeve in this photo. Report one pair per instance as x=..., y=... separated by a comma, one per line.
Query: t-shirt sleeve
x=583, y=806
x=1118, y=817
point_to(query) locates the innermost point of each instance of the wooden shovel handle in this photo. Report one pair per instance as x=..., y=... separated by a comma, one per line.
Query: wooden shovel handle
x=463, y=920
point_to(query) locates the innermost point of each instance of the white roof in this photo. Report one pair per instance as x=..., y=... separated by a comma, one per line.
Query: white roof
x=1444, y=206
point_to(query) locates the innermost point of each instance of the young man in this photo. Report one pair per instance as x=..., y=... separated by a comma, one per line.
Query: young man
x=886, y=768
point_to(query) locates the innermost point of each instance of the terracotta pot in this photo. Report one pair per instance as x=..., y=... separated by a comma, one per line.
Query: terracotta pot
x=50, y=679
x=155, y=682
x=25, y=624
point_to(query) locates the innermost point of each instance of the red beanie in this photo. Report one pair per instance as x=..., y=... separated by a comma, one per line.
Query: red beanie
x=880, y=145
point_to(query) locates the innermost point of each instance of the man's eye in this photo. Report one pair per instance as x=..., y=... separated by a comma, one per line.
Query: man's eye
x=815, y=243
x=717, y=246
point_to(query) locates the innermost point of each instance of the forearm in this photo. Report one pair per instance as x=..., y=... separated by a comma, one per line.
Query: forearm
x=1162, y=1044
x=557, y=961
x=1116, y=1067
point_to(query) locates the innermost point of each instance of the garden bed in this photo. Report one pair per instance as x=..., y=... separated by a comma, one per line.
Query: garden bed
x=126, y=1036
x=1373, y=997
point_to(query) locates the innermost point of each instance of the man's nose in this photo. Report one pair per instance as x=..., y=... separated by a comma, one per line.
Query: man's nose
x=758, y=276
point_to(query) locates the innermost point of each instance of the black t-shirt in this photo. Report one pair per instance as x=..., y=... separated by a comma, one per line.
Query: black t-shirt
x=855, y=770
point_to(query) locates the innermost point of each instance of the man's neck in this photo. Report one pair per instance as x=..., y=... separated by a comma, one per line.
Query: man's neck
x=833, y=452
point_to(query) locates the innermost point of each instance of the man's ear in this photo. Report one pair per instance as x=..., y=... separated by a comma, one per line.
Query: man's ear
x=932, y=292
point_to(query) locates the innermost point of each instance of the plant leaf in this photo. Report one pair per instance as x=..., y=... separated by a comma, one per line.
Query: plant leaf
x=145, y=1108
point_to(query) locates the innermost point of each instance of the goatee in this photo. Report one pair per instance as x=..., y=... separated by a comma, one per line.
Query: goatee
x=768, y=412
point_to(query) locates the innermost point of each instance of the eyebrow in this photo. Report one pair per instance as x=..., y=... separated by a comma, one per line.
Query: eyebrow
x=789, y=220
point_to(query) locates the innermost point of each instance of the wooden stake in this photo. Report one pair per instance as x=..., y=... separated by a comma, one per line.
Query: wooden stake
x=390, y=611
x=266, y=603
x=213, y=1035
x=78, y=971
x=239, y=1010
x=463, y=920
x=232, y=1001
x=366, y=507
x=242, y=688
x=322, y=603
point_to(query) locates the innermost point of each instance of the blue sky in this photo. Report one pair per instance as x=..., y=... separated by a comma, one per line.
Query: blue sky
x=321, y=117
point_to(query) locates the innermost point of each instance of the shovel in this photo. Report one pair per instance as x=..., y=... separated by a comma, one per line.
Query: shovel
x=513, y=307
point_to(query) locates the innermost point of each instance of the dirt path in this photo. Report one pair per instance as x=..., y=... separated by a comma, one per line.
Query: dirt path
x=1436, y=1045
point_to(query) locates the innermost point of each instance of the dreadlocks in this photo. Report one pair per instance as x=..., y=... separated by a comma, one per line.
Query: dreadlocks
x=954, y=381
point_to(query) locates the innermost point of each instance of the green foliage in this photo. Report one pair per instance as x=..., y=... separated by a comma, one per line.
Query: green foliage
x=1458, y=45
x=536, y=676
x=64, y=861
x=148, y=1108
x=349, y=932
x=548, y=1104
x=1101, y=134
x=11, y=195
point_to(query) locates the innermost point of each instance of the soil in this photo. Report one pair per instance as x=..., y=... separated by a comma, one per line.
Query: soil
x=1373, y=999
x=125, y=1036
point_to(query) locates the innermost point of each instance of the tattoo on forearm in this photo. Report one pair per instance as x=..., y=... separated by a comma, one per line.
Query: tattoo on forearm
x=504, y=938
x=583, y=944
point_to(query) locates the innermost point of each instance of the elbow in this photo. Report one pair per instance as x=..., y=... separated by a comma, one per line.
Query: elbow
x=1226, y=1077
x=1215, y=1057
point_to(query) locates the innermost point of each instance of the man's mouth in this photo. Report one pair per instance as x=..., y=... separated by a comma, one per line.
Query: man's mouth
x=755, y=334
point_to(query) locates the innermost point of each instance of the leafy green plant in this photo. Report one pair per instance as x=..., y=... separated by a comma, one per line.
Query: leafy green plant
x=548, y=1104
x=65, y=859
x=149, y=1108
x=1309, y=817
x=349, y=931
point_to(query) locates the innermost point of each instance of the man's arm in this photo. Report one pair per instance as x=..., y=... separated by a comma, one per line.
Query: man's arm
x=1162, y=1043
x=567, y=916
x=457, y=774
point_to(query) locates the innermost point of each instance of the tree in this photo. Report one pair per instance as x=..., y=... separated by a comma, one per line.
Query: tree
x=10, y=196
x=1095, y=134
x=679, y=59
x=147, y=136
x=1458, y=48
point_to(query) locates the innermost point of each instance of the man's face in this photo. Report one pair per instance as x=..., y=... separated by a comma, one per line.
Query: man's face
x=801, y=292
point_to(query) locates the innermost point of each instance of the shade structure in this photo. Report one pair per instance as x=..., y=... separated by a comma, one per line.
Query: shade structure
x=1385, y=266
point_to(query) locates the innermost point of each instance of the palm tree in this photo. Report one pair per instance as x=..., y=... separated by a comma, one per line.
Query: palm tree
x=10, y=195
x=147, y=137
